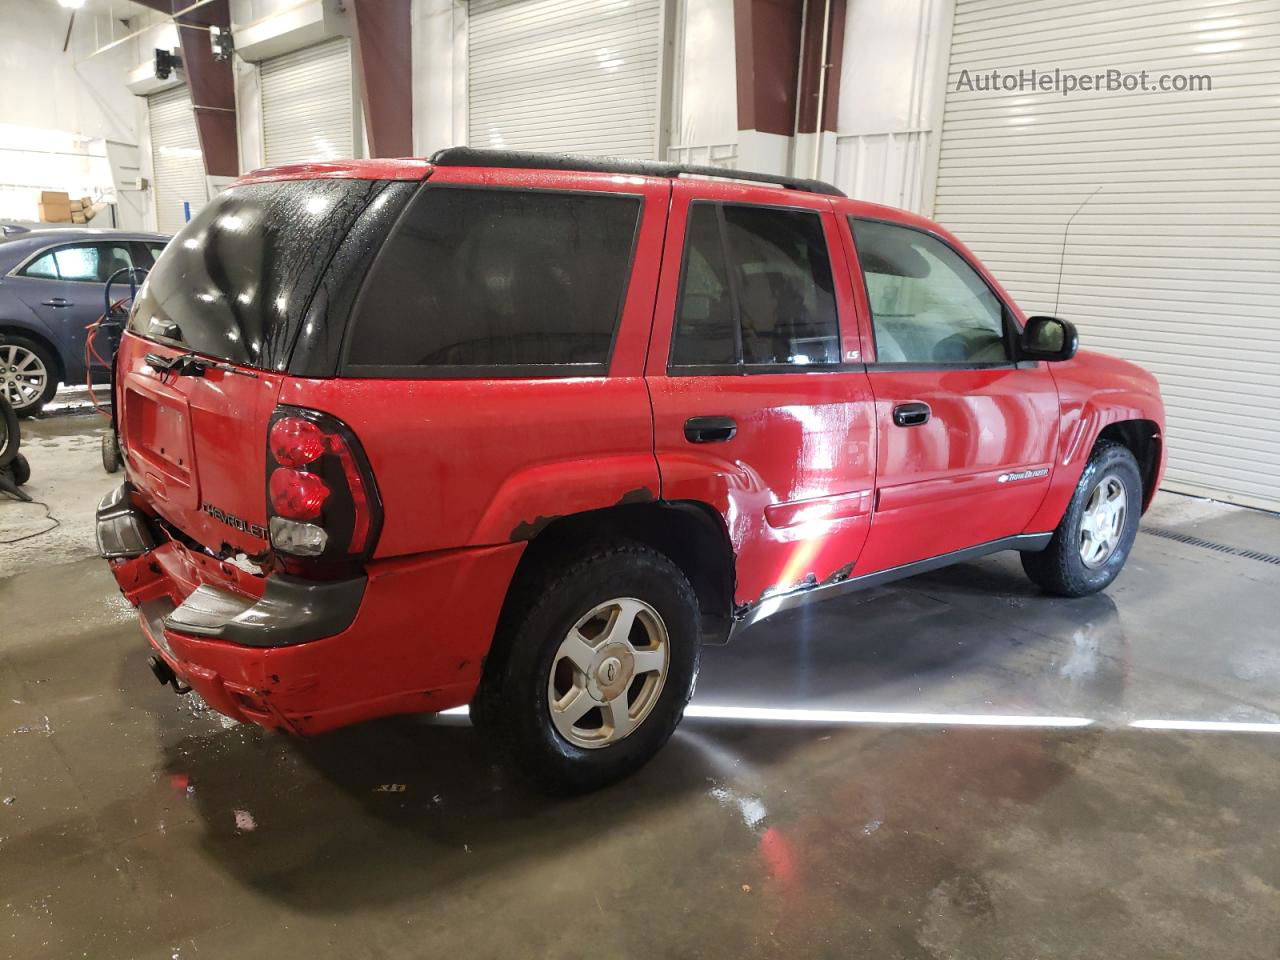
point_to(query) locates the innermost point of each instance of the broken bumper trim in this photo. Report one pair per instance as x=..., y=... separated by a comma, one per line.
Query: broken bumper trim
x=121, y=530
x=290, y=611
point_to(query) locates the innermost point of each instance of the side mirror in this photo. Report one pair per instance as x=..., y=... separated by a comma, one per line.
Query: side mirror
x=1048, y=338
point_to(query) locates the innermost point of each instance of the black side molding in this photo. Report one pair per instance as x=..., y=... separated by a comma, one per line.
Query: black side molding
x=777, y=602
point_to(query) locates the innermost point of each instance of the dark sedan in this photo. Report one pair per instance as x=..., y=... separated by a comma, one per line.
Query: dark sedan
x=52, y=280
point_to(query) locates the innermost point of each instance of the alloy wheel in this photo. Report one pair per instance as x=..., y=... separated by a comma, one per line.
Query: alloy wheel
x=1102, y=522
x=23, y=376
x=608, y=672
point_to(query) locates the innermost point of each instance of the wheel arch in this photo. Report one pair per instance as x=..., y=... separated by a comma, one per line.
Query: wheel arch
x=1144, y=440
x=691, y=534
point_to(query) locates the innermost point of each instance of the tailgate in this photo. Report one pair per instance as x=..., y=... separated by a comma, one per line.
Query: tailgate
x=195, y=446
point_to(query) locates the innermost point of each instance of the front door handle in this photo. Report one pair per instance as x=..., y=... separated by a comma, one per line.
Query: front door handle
x=911, y=414
x=709, y=429
x=56, y=302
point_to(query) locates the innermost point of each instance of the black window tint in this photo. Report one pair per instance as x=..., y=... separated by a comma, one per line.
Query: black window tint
x=237, y=281
x=706, y=328
x=497, y=278
x=771, y=301
x=785, y=294
x=927, y=304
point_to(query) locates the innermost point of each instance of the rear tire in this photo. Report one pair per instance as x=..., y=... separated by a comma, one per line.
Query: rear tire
x=28, y=374
x=1094, y=538
x=110, y=452
x=599, y=664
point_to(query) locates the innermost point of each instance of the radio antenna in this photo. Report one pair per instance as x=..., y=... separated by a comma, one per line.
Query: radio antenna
x=1057, y=297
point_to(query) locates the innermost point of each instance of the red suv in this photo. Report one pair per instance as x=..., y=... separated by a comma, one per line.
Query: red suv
x=524, y=431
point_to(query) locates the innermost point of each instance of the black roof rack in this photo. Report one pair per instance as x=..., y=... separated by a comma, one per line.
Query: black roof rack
x=526, y=160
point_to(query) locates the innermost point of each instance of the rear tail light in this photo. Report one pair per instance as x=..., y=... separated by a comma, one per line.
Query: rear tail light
x=323, y=507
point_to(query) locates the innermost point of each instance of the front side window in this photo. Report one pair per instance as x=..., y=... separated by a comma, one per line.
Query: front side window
x=927, y=304
x=756, y=290
x=516, y=281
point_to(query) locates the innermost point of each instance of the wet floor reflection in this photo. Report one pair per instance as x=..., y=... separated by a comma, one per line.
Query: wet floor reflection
x=144, y=826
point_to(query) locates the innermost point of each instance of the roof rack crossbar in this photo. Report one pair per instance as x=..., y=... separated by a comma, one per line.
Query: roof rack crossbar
x=527, y=160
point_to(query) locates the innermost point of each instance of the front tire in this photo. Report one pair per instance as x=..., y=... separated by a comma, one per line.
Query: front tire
x=1094, y=538
x=28, y=375
x=597, y=669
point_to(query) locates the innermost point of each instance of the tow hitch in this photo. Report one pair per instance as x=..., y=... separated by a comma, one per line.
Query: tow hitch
x=164, y=673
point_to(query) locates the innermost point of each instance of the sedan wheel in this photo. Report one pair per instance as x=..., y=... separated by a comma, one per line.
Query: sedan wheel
x=24, y=377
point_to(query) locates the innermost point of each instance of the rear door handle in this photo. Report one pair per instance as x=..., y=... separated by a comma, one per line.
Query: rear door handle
x=911, y=414
x=56, y=302
x=709, y=429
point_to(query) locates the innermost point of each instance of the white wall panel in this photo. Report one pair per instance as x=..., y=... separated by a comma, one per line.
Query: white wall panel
x=1175, y=261
x=888, y=168
x=891, y=74
x=570, y=76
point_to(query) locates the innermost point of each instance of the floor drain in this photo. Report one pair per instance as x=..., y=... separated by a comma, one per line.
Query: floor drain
x=1211, y=545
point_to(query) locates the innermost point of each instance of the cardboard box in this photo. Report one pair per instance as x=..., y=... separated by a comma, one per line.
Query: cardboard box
x=78, y=217
x=55, y=197
x=54, y=213
x=86, y=203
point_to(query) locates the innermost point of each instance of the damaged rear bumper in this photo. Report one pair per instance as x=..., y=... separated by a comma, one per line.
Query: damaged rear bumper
x=288, y=611
x=309, y=656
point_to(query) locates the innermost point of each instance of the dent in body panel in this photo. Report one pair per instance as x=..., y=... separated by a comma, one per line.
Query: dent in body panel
x=1094, y=391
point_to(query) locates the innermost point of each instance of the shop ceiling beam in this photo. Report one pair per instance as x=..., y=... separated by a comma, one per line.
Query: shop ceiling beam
x=210, y=82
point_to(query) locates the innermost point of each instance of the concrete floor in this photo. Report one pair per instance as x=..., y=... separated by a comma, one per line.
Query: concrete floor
x=137, y=825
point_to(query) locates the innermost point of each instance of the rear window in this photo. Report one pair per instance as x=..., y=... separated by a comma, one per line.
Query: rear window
x=240, y=281
x=496, y=283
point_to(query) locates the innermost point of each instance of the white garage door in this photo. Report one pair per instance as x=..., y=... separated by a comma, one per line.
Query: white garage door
x=307, y=108
x=1175, y=262
x=569, y=76
x=177, y=164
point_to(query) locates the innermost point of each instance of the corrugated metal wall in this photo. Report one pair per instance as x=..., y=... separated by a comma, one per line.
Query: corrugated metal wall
x=177, y=164
x=1175, y=261
x=308, y=110
x=569, y=76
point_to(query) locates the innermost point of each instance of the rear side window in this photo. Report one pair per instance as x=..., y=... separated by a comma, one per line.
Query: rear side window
x=497, y=282
x=238, y=282
x=757, y=290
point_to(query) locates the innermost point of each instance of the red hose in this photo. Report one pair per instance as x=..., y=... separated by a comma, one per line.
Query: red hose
x=91, y=353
